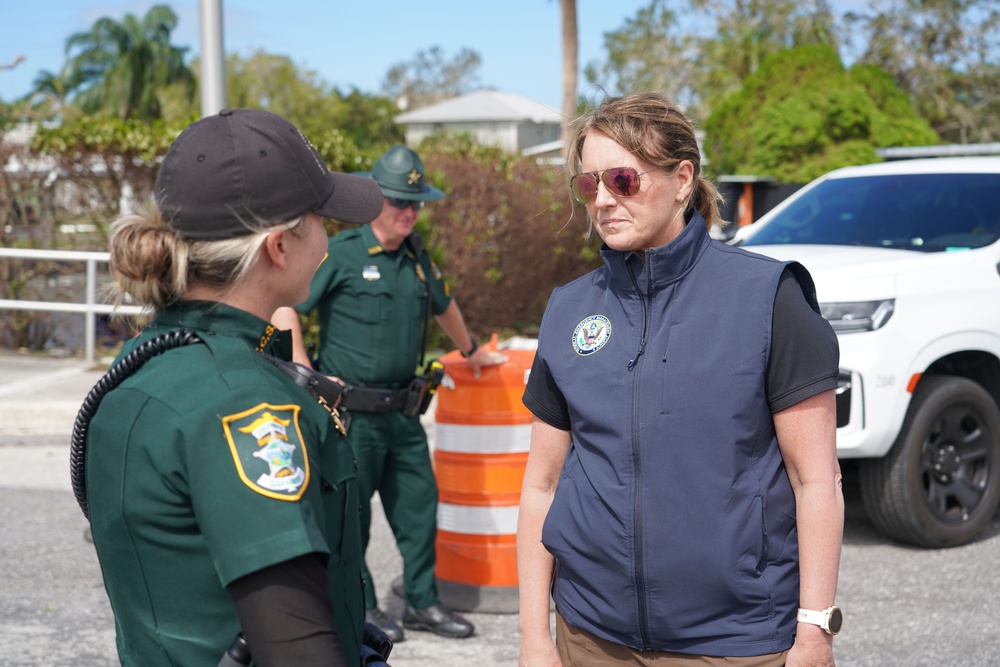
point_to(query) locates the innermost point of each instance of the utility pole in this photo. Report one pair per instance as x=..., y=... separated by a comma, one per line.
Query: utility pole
x=213, y=59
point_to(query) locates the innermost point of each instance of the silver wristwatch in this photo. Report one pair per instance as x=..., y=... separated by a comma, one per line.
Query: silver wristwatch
x=830, y=620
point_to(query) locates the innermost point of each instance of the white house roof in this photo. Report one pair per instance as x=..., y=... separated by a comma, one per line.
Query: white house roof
x=483, y=105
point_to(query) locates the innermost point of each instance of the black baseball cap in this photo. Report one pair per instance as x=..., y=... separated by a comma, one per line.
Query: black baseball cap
x=400, y=174
x=225, y=174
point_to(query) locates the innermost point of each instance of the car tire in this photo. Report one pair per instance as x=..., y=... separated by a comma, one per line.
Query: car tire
x=939, y=485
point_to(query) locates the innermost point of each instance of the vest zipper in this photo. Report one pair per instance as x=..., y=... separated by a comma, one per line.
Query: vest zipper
x=645, y=316
x=640, y=568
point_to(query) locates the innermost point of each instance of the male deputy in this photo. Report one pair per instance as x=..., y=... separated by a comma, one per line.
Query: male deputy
x=374, y=294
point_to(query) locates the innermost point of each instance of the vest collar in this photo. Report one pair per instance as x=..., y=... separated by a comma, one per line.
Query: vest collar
x=665, y=264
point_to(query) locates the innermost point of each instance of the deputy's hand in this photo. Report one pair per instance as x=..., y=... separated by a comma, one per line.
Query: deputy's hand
x=481, y=358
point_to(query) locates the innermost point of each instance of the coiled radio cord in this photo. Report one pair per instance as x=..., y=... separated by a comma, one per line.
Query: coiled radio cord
x=109, y=381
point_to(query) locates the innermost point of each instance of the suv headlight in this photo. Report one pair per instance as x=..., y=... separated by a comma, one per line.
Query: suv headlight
x=855, y=316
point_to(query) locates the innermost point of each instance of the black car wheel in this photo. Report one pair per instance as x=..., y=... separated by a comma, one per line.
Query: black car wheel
x=939, y=485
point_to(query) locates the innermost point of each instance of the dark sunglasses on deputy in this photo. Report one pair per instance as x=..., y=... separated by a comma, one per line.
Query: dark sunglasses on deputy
x=620, y=181
x=401, y=204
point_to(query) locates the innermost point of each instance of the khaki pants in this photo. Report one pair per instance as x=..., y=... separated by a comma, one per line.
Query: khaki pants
x=578, y=648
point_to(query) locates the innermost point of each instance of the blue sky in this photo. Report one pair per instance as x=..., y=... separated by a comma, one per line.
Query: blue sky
x=348, y=44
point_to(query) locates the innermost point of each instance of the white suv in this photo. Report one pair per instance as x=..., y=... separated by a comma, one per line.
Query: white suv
x=906, y=260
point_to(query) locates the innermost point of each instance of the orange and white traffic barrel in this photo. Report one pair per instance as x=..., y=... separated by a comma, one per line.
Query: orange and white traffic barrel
x=481, y=447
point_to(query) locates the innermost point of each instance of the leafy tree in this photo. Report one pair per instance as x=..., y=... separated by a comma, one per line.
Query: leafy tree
x=49, y=98
x=802, y=114
x=749, y=31
x=120, y=68
x=275, y=83
x=976, y=108
x=52, y=88
x=942, y=53
x=896, y=122
x=368, y=120
x=654, y=51
x=177, y=103
x=649, y=53
x=431, y=77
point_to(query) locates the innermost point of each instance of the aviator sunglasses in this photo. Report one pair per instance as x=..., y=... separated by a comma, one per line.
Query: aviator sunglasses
x=401, y=204
x=620, y=181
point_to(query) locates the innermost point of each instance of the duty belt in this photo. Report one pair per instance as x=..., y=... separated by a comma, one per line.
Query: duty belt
x=373, y=399
x=412, y=400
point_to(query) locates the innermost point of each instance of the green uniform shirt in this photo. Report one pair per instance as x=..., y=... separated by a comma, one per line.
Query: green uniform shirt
x=208, y=464
x=370, y=304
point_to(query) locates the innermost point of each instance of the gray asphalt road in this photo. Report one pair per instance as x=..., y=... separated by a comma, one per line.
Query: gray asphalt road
x=904, y=606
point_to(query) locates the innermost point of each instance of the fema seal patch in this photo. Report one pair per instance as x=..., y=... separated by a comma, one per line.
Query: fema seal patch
x=591, y=334
x=268, y=449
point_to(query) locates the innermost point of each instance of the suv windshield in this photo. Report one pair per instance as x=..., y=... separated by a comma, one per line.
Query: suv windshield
x=924, y=212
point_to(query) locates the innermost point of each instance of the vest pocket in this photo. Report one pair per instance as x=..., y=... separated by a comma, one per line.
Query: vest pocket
x=762, y=555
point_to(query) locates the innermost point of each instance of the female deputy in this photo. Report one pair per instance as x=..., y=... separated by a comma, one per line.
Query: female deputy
x=682, y=497
x=221, y=495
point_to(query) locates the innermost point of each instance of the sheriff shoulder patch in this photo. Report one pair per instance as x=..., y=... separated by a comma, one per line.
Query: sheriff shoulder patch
x=269, y=451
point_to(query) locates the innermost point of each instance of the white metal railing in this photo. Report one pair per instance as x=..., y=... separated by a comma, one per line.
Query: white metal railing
x=90, y=308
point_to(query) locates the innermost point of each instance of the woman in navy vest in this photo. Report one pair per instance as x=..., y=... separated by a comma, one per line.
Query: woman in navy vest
x=682, y=497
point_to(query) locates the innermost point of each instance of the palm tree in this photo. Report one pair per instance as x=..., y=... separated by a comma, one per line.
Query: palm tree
x=50, y=91
x=569, y=68
x=119, y=68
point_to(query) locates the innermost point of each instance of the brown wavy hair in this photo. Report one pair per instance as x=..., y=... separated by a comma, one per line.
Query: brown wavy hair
x=655, y=130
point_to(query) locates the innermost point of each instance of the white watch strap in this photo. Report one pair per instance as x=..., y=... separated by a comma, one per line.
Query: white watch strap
x=812, y=617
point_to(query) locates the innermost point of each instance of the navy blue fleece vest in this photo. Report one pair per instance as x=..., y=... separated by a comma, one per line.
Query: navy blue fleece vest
x=673, y=524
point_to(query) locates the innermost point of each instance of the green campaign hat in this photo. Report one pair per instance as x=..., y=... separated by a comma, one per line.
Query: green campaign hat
x=400, y=174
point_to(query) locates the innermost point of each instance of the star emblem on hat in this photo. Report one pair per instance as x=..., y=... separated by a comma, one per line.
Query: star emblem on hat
x=413, y=177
